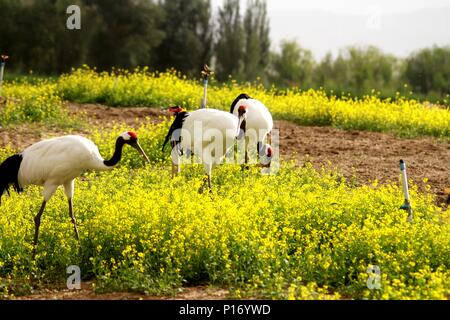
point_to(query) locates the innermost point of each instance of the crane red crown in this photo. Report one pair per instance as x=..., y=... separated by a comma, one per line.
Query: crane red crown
x=132, y=134
x=242, y=108
x=175, y=110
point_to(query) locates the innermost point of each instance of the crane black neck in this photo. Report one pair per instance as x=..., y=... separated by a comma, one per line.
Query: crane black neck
x=120, y=142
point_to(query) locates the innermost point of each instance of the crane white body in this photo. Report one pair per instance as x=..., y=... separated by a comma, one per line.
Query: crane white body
x=209, y=134
x=58, y=161
x=209, y=131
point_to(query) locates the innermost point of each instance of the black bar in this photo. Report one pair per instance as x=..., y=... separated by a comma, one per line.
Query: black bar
x=225, y=309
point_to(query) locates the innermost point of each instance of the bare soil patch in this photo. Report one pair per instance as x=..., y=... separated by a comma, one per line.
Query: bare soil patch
x=87, y=293
x=101, y=115
x=369, y=156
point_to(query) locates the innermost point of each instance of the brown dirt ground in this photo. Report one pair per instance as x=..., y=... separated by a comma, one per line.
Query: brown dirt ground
x=102, y=115
x=21, y=136
x=87, y=293
x=369, y=155
x=362, y=156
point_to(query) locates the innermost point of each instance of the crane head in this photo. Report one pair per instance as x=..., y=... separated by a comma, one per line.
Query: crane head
x=266, y=155
x=131, y=139
x=242, y=110
x=175, y=110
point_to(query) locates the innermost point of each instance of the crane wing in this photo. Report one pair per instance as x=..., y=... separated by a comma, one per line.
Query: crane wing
x=58, y=160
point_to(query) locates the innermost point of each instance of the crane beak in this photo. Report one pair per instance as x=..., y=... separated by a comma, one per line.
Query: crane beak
x=138, y=147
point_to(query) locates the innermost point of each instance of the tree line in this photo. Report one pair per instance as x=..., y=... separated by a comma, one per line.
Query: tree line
x=185, y=34
x=362, y=70
x=179, y=34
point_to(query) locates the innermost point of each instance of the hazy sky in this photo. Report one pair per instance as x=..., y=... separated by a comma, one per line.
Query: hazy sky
x=396, y=26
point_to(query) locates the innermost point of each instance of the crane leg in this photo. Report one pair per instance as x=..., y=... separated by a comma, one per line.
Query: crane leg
x=37, y=224
x=258, y=148
x=246, y=159
x=74, y=221
x=175, y=170
x=175, y=160
x=246, y=150
x=209, y=183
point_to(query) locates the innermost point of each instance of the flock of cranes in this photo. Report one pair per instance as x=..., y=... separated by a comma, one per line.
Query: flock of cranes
x=208, y=133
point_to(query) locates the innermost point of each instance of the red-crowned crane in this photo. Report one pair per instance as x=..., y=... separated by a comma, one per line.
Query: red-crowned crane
x=58, y=161
x=208, y=133
x=256, y=126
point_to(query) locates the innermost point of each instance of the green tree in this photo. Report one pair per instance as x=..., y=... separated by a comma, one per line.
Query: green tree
x=324, y=75
x=229, y=48
x=358, y=71
x=70, y=46
x=38, y=39
x=9, y=13
x=126, y=32
x=293, y=66
x=428, y=71
x=257, y=40
x=188, y=41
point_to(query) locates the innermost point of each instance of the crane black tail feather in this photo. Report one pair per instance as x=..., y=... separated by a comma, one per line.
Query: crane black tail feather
x=9, y=172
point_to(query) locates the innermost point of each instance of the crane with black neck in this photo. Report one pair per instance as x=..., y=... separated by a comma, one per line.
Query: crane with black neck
x=58, y=161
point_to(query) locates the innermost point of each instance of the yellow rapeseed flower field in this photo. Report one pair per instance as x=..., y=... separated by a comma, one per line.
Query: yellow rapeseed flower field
x=143, y=88
x=299, y=234
x=27, y=103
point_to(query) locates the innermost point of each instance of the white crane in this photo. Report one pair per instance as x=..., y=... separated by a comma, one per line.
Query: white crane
x=58, y=161
x=256, y=126
x=208, y=133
